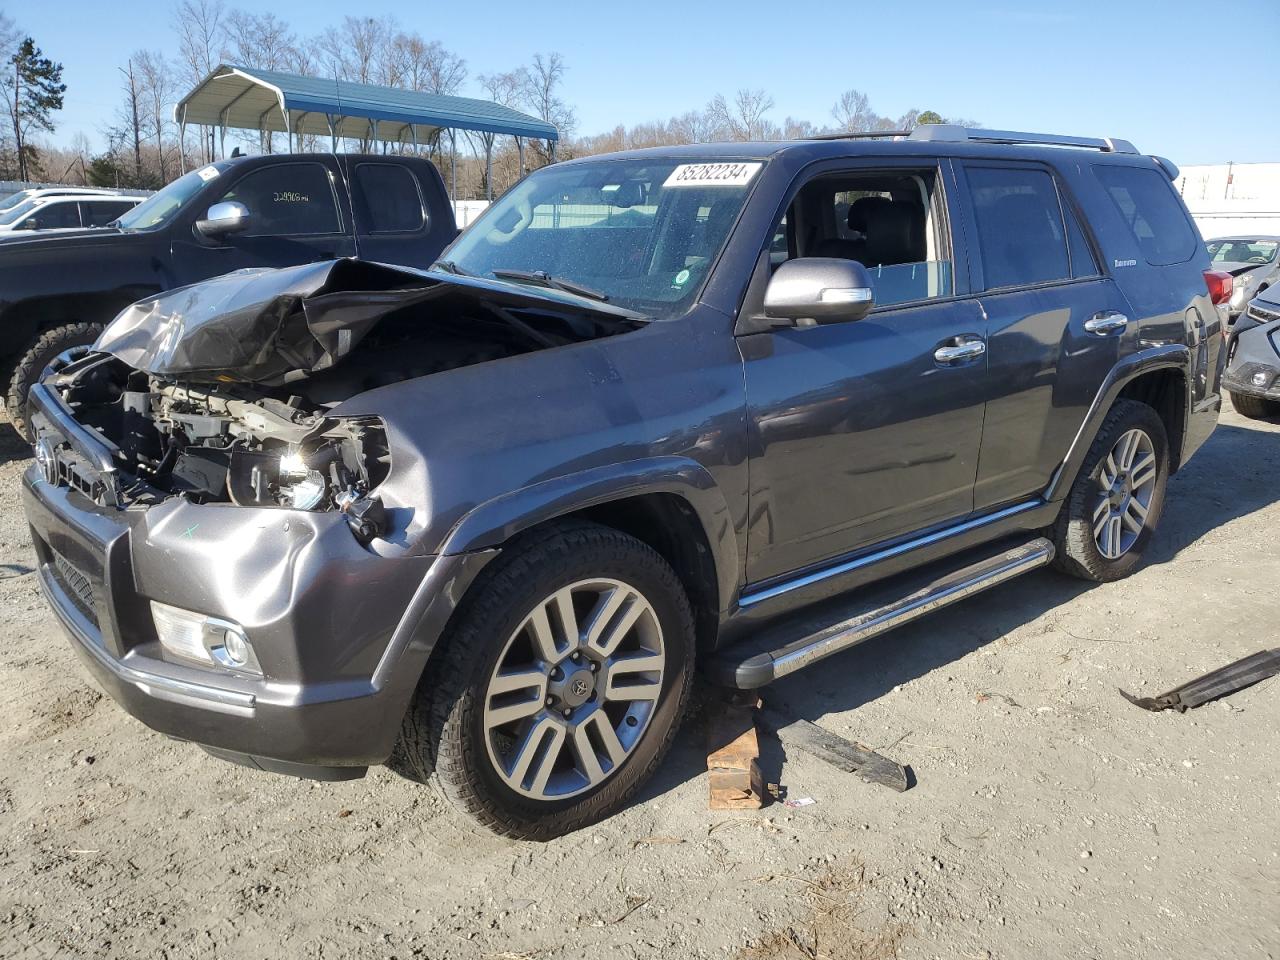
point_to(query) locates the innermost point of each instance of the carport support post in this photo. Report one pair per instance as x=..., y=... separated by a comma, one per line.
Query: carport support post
x=182, y=141
x=333, y=133
x=553, y=151
x=453, y=168
x=488, y=166
x=520, y=153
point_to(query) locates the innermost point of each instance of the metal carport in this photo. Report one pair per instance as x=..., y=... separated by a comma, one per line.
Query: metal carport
x=247, y=98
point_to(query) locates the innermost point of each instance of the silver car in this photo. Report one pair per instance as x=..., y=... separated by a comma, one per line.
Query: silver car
x=1252, y=261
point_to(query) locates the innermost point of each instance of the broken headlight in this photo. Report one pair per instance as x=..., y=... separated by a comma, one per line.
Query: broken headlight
x=334, y=467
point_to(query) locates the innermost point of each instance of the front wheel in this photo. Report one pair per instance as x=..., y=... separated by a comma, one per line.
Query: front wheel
x=1115, y=503
x=31, y=366
x=560, y=686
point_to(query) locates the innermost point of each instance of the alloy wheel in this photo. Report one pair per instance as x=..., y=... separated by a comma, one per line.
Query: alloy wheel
x=574, y=689
x=1126, y=482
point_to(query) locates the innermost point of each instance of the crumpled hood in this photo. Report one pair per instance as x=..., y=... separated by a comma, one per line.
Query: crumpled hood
x=274, y=326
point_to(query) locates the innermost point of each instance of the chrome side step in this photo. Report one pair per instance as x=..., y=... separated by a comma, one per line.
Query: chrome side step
x=746, y=667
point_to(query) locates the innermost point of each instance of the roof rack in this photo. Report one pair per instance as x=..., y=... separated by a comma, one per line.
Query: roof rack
x=952, y=132
x=866, y=135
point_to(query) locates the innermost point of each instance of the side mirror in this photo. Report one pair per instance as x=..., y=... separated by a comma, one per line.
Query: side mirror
x=819, y=290
x=223, y=219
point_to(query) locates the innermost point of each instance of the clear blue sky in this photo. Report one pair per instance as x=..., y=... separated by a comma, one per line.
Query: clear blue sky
x=1189, y=80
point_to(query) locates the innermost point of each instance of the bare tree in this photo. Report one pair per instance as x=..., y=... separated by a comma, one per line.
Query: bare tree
x=853, y=113
x=201, y=29
x=542, y=85
x=696, y=126
x=259, y=40
x=156, y=89
x=130, y=118
x=745, y=119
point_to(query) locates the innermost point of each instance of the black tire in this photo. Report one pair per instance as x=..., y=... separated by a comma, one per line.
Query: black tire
x=1255, y=408
x=443, y=730
x=1073, y=532
x=32, y=363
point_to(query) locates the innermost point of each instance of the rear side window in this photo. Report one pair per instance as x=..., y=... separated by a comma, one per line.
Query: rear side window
x=1150, y=209
x=390, y=198
x=288, y=199
x=98, y=213
x=52, y=216
x=1020, y=230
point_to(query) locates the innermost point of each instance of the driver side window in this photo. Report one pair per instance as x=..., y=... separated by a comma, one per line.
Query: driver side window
x=889, y=221
x=287, y=200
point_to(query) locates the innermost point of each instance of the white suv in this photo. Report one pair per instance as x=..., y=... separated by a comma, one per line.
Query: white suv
x=65, y=210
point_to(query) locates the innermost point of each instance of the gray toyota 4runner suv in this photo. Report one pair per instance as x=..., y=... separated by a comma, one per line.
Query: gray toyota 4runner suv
x=736, y=406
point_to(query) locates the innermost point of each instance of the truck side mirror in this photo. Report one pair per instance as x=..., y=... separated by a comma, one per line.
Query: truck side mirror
x=813, y=290
x=223, y=219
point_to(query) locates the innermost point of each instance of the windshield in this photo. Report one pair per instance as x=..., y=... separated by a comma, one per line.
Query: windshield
x=21, y=210
x=642, y=233
x=1242, y=251
x=12, y=201
x=160, y=207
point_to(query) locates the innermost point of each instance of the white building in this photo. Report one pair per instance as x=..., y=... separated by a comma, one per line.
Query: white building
x=1229, y=199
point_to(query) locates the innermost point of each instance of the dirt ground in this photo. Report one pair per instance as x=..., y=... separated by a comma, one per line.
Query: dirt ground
x=1050, y=819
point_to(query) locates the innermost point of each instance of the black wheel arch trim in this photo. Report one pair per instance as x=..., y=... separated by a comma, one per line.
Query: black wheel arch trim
x=494, y=522
x=1169, y=356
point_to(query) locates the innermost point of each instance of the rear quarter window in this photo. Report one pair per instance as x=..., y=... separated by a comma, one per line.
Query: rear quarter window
x=1150, y=209
x=390, y=198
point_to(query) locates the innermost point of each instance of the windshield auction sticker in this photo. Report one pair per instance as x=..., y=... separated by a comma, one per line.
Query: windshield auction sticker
x=207, y=173
x=712, y=174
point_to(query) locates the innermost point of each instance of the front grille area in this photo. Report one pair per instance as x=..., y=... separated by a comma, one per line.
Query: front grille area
x=77, y=585
x=1262, y=316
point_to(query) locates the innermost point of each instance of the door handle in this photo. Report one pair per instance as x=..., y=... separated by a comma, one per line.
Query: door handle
x=1105, y=324
x=955, y=352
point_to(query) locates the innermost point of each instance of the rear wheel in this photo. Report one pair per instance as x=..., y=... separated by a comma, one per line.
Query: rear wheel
x=32, y=363
x=1255, y=408
x=561, y=684
x=1115, y=503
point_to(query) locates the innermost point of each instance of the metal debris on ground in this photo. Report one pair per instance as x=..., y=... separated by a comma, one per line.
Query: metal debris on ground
x=1217, y=683
x=836, y=750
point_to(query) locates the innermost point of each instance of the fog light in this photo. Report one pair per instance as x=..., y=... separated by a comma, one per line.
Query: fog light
x=203, y=639
x=1260, y=379
x=237, y=647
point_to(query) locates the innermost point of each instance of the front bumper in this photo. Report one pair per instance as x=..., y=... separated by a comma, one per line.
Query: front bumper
x=1253, y=357
x=342, y=633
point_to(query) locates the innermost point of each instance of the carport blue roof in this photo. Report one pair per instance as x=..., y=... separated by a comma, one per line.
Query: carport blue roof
x=254, y=99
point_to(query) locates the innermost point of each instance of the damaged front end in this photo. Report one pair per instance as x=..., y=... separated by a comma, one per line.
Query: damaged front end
x=222, y=392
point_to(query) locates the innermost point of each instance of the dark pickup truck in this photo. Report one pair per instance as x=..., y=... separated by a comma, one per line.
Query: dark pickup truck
x=58, y=291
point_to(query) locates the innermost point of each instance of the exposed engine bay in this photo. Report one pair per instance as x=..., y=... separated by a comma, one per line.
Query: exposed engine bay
x=232, y=405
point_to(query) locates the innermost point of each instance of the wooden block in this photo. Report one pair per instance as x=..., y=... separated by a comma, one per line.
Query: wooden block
x=736, y=789
x=732, y=752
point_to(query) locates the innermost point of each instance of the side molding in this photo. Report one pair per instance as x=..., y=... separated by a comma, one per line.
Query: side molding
x=1170, y=356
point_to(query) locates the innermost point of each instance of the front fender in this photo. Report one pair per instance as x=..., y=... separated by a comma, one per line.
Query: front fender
x=1175, y=356
x=494, y=522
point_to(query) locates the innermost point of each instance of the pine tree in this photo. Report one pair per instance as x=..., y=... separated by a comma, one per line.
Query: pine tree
x=33, y=89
